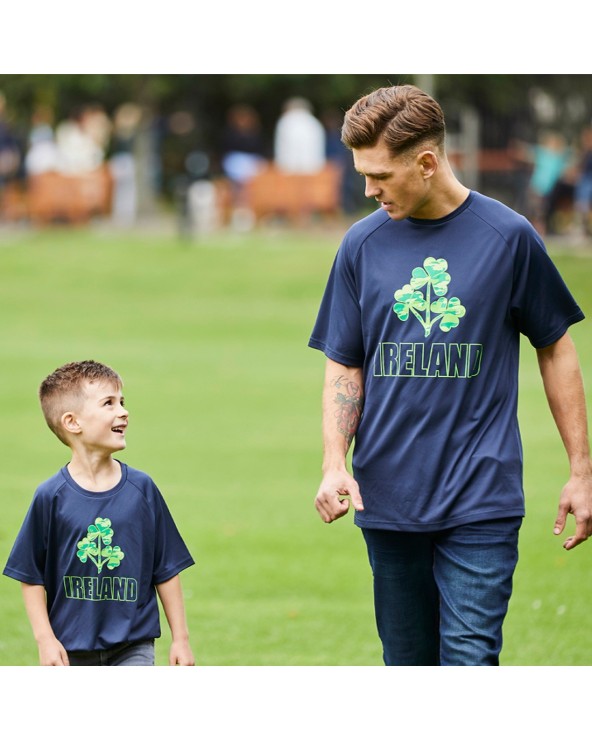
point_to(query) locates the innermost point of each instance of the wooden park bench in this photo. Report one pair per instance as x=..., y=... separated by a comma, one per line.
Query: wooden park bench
x=54, y=197
x=295, y=197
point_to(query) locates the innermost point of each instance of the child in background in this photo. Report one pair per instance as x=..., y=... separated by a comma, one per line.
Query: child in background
x=98, y=542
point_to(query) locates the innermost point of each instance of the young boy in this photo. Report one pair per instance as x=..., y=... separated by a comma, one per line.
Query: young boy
x=98, y=542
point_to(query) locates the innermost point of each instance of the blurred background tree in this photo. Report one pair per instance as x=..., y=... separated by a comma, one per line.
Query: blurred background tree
x=187, y=113
x=502, y=100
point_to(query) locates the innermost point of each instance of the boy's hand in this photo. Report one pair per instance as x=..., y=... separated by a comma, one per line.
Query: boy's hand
x=51, y=652
x=180, y=653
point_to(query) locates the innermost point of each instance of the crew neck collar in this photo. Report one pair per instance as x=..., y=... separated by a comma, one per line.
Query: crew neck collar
x=453, y=214
x=96, y=494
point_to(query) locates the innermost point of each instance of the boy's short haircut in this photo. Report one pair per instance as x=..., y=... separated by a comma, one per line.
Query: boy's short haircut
x=403, y=116
x=65, y=387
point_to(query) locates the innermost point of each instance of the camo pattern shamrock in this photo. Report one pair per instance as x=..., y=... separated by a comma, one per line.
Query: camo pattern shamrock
x=96, y=546
x=433, y=276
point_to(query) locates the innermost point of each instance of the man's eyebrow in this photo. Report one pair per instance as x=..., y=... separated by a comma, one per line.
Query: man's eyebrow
x=380, y=173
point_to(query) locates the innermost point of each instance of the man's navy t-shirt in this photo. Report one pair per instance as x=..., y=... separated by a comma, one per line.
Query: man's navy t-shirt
x=432, y=311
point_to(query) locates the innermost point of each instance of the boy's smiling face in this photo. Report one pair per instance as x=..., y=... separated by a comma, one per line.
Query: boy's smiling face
x=101, y=419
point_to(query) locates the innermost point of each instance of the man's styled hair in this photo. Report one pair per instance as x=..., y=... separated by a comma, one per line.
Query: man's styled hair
x=65, y=387
x=403, y=116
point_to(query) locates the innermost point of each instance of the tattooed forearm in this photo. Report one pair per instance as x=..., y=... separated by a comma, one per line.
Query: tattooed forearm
x=349, y=406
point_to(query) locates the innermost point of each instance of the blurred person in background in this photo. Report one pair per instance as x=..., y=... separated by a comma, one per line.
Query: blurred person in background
x=299, y=139
x=122, y=163
x=242, y=145
x=10, y=148
x=42, y=152
x=243, y=156
x=350, y=195
x=80, y=142
x=583, y=185
x=550, y=158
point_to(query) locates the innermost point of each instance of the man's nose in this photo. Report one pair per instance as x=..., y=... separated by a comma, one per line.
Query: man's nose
x=371, y=189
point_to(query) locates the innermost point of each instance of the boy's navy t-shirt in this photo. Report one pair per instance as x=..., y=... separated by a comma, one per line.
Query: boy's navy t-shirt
x=432, y=310
x=99, y=556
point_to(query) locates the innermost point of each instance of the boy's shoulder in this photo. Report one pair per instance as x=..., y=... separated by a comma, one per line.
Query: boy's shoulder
x=60, y=479
x=53, y=485
x=139, y=478
x=136, y=475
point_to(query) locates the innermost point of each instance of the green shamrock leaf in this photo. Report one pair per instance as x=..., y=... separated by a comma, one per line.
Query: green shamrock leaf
x=451, y=311
x=408, y=299
x=432, y=272
x=114, y=556
x=86, y=548
x=101, y=528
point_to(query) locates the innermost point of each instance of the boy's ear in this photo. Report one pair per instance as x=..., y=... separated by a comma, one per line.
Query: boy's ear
x=70, y=423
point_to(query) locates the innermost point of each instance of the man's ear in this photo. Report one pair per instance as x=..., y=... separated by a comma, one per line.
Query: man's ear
x=70, y=423
x=428, y=163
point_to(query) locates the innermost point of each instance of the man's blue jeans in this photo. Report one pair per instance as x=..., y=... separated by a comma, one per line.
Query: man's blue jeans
x=441, y=597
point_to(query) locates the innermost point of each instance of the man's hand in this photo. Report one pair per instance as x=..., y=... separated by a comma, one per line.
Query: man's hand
x=336, y=491
x=564, y=387
x=576, y=499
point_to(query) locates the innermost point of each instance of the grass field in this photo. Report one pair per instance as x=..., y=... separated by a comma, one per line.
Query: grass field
x=211, y=338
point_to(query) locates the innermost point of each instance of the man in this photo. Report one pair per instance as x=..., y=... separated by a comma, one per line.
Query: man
x=420, y=323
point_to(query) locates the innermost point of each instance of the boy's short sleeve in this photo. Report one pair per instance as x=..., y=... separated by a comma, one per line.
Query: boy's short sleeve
x=26, y=562
x=171, y=553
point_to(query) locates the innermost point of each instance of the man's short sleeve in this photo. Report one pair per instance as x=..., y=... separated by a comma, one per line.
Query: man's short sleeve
x=542, y=306
x=338, y=328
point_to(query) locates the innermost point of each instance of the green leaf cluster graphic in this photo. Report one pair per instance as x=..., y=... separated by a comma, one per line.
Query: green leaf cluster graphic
x=97, y=548
x=410, y=300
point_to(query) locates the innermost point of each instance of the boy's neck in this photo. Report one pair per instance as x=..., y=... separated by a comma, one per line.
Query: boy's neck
x=94, y=473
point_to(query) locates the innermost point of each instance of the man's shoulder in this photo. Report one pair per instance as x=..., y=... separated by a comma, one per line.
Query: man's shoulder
x=361, y=230
x=499, y=215
x=368, y=224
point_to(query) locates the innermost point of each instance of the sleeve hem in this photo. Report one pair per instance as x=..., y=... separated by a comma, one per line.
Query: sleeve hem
x=558, y=333
x=172, y=572
x=342, y=359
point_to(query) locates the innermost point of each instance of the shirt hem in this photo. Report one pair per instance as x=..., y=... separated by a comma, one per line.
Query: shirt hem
x=440, y=525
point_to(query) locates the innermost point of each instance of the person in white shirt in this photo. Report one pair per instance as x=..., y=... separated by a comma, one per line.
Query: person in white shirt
x=300, y=139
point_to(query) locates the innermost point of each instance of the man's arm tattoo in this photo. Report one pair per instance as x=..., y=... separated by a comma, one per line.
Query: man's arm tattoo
x=349, y=406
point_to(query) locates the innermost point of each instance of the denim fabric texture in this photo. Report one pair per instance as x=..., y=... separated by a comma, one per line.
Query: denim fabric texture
x=125, y=653
x=441, y=598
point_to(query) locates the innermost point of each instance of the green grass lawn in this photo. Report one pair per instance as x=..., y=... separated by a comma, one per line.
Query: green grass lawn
x=211, y=339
